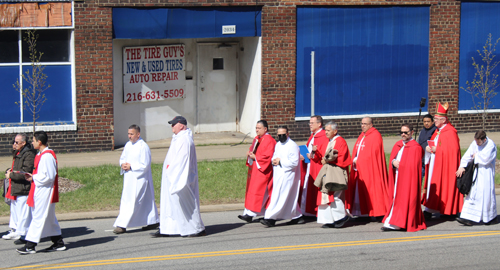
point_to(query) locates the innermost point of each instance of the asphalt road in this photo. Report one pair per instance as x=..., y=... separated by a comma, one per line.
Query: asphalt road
x=232, y=244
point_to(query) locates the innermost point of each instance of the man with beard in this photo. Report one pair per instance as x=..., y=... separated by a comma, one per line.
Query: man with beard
x=405, y=212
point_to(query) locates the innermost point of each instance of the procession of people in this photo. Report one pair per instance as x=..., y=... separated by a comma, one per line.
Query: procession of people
x=320, y=181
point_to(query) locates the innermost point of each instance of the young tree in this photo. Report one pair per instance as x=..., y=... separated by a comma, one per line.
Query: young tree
x=33, y=83
x=483, y=87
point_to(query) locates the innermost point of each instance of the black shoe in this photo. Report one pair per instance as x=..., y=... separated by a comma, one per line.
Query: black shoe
x=268, y=222
x=246, y=218
x=299, y=220
x=464, y=221
x=328, y=225
x=202, y=233
x=55, y=247
x=491, y=222
x=385, y=229
x=340, y=223
x=151, y=227
x=25, y=250
x=427, y=215
x=158, y=234
x=20, y=241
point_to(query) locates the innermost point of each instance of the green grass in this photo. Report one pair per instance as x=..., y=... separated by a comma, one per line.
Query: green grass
x=219, y=182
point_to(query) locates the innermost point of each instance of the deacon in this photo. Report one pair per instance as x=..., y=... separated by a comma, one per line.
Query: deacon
x=260, y=173
x=44, y=193
x=331, y=209
x=180, y=197
x=405, y=212
x=442, y=161
x=137, y=206
x=286, y=180
x=309, y=192
x=425, y=135
x=19, y=187
x=480, y=204
x=368, y=188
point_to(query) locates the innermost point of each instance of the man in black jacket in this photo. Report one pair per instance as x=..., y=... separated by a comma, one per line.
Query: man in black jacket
x=19, y=188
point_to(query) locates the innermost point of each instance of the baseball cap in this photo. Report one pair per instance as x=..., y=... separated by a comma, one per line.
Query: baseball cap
x=178, y=119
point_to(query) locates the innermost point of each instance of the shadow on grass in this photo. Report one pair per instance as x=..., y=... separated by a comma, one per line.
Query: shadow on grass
x=220, y=228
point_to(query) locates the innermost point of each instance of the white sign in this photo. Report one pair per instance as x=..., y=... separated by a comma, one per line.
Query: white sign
x=152, y=73
x=228, y=29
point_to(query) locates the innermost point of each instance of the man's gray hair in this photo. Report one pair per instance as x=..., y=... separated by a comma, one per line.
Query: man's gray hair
x=23, y=136
x=332, y=124
x=136, y=127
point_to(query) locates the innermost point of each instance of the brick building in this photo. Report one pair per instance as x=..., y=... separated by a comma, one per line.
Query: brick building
x=363, y=57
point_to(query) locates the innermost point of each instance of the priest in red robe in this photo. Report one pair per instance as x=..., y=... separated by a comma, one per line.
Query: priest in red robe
x=368, y=191
x=331, y=208
x=309, y=171
x=260, y=173
x=405, y=178
x=442, y=160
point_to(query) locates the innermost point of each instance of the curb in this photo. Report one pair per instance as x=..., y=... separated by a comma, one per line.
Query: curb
x=114, y=213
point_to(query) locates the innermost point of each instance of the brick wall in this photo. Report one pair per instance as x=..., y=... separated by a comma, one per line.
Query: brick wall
x=94, y=81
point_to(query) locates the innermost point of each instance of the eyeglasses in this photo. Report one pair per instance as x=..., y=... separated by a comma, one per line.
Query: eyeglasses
x=365, y=124
x=404, y=132
x=18, y=142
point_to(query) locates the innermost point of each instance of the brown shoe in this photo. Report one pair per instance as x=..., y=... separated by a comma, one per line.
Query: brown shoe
x=119, y=230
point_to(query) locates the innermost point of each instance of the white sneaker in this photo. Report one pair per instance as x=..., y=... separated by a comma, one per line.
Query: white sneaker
x=12, y=235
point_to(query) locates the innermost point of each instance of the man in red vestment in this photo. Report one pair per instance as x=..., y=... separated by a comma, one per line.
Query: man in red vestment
x=331, y=209
x=405, y=178
x=309, y=171
x=260, y=173
x=442, y=160
x=368, y=191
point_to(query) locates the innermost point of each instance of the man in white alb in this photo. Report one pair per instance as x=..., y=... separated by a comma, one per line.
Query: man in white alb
x=180, y=198
x=137, y=205
x=286, y=181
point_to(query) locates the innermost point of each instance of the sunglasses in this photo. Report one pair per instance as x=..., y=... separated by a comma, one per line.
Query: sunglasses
x=404, y=132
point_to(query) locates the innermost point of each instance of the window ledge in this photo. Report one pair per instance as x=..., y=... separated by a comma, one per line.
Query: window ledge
x=5, y=129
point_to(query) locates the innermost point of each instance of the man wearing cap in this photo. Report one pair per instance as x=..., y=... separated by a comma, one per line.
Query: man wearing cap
x=442, y=159
x=260, y=173
x=368, y=187
x=137, y=206
x=180, y=198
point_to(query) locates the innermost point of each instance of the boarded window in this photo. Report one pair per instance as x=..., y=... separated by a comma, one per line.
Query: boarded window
x=35, y=14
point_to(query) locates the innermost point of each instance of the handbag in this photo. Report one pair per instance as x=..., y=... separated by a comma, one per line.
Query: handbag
x=465, y=182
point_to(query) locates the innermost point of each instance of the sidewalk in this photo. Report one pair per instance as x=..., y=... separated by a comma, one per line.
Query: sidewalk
x=210, y=146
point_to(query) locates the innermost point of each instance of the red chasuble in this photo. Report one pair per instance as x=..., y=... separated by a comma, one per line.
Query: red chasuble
x=343, y=161
x=260, y=180
x=407, y=211
x=443, y=193
x=321, y=141
x=371, y=176
x=55, y=193
x=9, y=191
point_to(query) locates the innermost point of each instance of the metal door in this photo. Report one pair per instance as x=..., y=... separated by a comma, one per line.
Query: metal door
x=217, y=87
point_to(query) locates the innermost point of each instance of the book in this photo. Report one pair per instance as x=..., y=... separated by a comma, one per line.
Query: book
x=304, y=151
x=431, y=143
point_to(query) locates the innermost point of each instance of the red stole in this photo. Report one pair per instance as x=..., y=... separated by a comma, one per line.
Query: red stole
x=7, y=194
x=55, y=194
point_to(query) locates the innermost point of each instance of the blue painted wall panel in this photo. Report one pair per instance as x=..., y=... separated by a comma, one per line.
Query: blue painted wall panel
x=174, y=23
x=10, y=113
x=368, y=59
x=478, y=19
x=58, y=106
